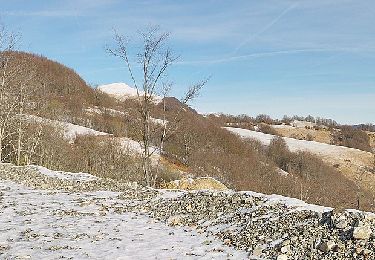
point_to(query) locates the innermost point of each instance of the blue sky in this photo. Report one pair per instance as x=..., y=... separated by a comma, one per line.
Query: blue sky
x=272, y=56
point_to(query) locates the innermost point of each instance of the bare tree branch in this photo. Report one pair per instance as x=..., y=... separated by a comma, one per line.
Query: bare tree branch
x=154, y=58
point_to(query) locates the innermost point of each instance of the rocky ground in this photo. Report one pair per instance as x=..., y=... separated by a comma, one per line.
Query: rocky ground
x=50, y=215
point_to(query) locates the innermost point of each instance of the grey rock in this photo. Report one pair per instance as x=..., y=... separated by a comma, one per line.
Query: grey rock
x=327, y=246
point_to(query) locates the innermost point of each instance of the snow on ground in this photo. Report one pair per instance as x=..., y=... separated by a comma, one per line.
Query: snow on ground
x=215, y=114
x=296, y=124
x=38, y=224
x=137, y=148
x=302, y=124
x=282, y=172
x=283, y=126
x=97, y=110
x=71, y=131
x=122, y=91
x=294, y=145
x=114, y=112
x=158, y=121
x=130, y=145
x=66, y=175
x=293, y=203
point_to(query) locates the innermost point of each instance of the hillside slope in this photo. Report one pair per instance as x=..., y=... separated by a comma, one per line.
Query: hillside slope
x=322, y=149
x=51, y=81
x=353, y=163
x=99, y=127
x=319, y=135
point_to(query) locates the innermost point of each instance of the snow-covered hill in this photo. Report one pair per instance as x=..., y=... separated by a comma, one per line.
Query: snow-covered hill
x=71, y=131
x=294, y=145
x=123, y=91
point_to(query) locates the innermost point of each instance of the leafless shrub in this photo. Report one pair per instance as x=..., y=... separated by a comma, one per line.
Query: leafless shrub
x=154, y=58
x=309, y=137
x=350, y=137
x=267, y=129
x=279, y=153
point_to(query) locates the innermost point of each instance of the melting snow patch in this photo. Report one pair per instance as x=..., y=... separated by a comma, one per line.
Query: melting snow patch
x=295, y=203
x=170, y=194
x=71, y=131
x=66, y=175
x=288, y=202
x=301, y=145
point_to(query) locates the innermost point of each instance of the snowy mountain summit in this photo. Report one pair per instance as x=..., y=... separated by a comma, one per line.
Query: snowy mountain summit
x=123, y=91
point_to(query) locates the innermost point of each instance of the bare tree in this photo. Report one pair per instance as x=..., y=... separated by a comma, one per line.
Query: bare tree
x=154, y=58
x=15, y=75
x=8, y=102
x=23, y=97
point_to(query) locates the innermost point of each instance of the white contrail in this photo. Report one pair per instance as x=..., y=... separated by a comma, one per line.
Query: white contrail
x=257, y=55
x=265, y=28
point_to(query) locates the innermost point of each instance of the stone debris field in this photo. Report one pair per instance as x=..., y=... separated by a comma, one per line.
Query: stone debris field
x=55, y=215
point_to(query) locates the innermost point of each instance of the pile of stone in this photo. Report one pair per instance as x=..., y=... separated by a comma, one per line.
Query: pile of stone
x=200, y=183
x=270, y=230
x=265, y=228
x=30, y=176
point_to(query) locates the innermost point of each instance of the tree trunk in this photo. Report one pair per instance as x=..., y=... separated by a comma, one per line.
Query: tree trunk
x=146, y=144
x=1, y=145
x=19, y=141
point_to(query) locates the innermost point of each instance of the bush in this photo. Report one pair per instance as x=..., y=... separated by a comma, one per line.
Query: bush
x=279, y=153
x=317, y=181
x=350, y=137
x=267, y=129
x=266, y=119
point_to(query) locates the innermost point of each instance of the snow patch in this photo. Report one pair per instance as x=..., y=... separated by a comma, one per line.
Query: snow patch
x=295, y=145
x=123, y=91
x=283, y=126
x=71, y=131
x=100, y=111
x=170, y=194
x=135, y=147
x=294, y=204
x=82, y=177
x=282, y=172
x=158, y=121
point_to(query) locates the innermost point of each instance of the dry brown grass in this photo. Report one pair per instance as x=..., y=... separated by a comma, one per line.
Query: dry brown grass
x=321, y=135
